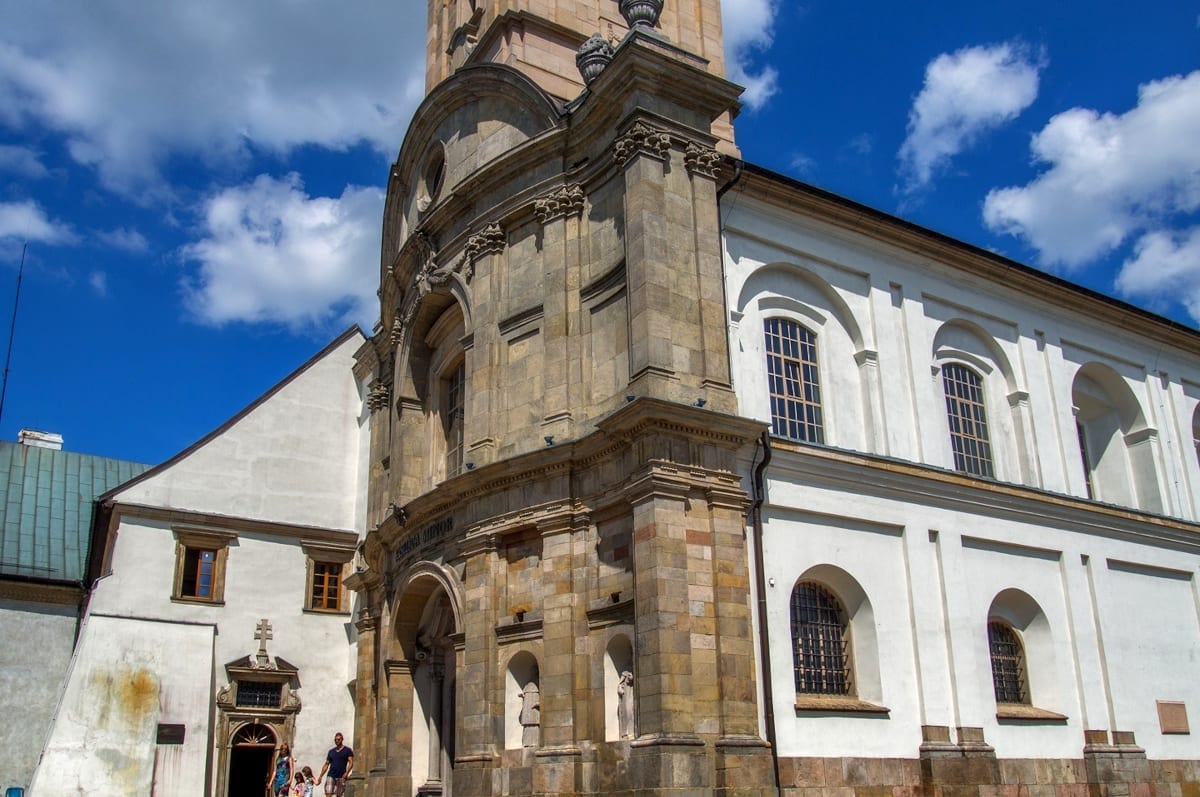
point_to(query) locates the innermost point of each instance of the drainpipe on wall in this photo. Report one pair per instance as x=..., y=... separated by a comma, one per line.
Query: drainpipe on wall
x=764, y=636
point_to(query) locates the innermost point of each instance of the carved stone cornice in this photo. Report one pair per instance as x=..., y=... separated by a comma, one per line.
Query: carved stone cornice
x=564, y=201
x=641, y=138
x=701, y=160
x=378, y=395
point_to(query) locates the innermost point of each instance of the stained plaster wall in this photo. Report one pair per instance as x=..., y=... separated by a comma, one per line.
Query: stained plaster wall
x=127, y=676
x=37, y=643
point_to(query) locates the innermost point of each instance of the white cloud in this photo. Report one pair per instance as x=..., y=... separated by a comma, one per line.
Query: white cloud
x=26, y=221
x=99, y=282
x=748, y=26
x=271, y=253
x=1165, y=267
x=124, y=239
x=21, y=161
x=1109, y=176
x=131, y=84
x=966, y=94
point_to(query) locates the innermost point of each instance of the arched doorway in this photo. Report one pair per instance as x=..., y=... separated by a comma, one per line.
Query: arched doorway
x=434, y=688
x=251, y=758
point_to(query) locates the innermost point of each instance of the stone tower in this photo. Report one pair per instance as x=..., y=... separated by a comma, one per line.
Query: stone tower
x=554, y=597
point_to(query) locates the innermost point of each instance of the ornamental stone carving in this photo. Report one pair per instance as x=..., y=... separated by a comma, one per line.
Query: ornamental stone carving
x=701, y=160
x=377, y=396
x=641, y=138
x=592, y=56
x=641, y=13
x=565, y=201
x=488, y=241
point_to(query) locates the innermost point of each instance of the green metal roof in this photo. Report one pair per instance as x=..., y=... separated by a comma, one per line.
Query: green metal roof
x=46, y=500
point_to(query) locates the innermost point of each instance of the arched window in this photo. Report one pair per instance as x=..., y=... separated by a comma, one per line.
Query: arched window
x=1008, y=663
x=820, y=642
x=452, y=417
x=792, y=381
x=967, y=416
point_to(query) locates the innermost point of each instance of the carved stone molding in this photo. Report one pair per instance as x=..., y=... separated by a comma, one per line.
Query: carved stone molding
x=488, y=241
x=701, y=160
x=378, y=395
x=641, y=138
x=565, y=201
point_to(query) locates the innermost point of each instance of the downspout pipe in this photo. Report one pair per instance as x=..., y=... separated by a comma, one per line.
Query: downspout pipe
x=760, y=578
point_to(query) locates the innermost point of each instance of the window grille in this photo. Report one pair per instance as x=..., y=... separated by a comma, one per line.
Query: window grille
x=793, y=381
x=259, y=694
x=820, y=642
x=1008, y=664
x=968, y=420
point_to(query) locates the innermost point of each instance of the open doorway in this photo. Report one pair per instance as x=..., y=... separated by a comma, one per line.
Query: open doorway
x=251, y=761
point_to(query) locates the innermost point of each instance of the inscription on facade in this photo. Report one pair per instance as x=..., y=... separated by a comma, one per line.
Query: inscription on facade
x=423, y=538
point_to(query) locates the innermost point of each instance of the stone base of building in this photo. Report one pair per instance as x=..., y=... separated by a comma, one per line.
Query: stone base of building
x=968, y=767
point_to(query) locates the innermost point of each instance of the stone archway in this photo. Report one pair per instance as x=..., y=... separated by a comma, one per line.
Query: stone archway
x=433, y=698
x=251, y=758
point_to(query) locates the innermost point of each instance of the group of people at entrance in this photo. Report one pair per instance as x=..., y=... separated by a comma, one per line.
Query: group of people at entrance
x=290, y=781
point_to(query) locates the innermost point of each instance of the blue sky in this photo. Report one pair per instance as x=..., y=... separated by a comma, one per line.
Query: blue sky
x=201, y=184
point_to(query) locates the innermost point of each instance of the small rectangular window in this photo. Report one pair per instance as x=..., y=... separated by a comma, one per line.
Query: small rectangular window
x=199, y=568
x=326, y=586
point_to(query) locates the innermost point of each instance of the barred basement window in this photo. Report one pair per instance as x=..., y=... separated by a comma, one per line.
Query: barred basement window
x=1008, y=663
x=259, y=694
x=968, y=420
x=793, y=382
x=820, y=642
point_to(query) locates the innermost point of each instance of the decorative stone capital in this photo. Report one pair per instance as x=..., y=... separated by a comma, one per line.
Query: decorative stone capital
x=641, y=138
x=701, y=160
x=592, y=56
x=565, y=201
x=488, y=241
x=378, y=395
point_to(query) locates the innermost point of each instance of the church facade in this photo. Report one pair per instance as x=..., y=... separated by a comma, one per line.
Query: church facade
x=686, y=477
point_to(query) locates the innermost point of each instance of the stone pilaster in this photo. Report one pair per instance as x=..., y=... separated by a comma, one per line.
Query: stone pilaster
x=477, y=720
x=396, y=726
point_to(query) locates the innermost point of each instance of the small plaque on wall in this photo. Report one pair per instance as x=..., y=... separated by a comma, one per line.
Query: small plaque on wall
x=170, y=733
x=1172, y=716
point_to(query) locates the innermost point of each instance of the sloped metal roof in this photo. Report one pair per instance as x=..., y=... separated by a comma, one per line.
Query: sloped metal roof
x=46, y=501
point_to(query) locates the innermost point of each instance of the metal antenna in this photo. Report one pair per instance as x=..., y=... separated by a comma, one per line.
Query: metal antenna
x=12, y=330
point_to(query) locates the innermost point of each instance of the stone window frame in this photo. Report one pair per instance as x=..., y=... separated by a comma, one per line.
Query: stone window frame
x=324, y=553
x=971, y=433
x=808, y=400
x=448, y=363
x=199, y=539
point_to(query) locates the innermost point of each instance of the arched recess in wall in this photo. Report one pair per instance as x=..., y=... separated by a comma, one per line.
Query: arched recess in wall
x=1018, y=611
x=846, y=364
x=433, y=368
x=961, y=342
x=1116, y=445
x=862, y=637
x=620, y=712
x=427, y=620
x=522, y=702
x=1196, y=434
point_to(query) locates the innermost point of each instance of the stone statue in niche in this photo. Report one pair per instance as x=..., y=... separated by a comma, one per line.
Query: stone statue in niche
x=625, y=706
x=531, y=714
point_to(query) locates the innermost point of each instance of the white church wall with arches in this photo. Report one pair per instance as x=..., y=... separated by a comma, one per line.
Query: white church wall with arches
x=979, y=511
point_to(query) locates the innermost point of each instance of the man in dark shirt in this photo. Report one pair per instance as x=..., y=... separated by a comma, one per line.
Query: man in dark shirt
x=338, y=763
